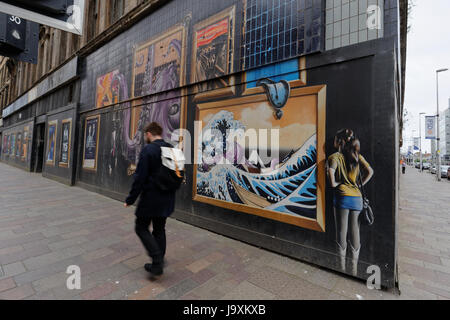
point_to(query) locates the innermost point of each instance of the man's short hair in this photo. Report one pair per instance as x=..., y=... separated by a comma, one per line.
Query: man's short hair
x=154, y=128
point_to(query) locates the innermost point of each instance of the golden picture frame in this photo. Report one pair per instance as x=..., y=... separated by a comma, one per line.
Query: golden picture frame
x=316, y=94
x=64, y=123
x=91, y=163
x=214, y=25
x=52, y=134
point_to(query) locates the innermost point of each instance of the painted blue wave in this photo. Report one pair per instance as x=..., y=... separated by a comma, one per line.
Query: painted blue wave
x=291, y=189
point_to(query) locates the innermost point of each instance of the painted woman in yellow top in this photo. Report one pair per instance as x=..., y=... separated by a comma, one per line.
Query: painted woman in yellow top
x=344, y=168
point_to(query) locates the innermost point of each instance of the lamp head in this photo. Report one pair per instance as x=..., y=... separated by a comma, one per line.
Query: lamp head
x=441, y=70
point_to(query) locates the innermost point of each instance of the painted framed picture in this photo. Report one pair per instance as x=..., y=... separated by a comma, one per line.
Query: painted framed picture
x=19, y=145
x=90, y=149
x=213, y=54
x=108, y=90
x=51, y=142
x=8, y=150
x=235, y=170
x=25, y=142
x=66, y=134
x=12, y=150
x=5, y=144
x=159, y=65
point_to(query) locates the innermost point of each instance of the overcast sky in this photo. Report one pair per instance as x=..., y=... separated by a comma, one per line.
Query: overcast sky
x=428, y=50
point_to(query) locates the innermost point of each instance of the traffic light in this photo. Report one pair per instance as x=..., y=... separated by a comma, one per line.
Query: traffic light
x=19, y=38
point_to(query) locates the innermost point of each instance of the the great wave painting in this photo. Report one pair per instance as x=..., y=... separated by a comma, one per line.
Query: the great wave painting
x=242, y=164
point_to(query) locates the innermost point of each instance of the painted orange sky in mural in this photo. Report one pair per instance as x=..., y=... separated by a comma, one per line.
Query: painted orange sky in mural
x=296, y=126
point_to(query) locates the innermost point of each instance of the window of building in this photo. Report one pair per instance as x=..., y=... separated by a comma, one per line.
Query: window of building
x=4, y=97
x=92, y=24
x=347, y=22
x=63, y=47
x=116, y=9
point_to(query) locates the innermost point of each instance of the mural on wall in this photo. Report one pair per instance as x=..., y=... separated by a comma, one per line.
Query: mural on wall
x=5, y=144
x=287, y=187
x=51, y=143
x=111, y=88
x=293, y=71
x=108, y=89
x=159, y=65
x=90, y=149
x=242, y=177
x=12, y=150
x=348, y=171
x=66, y=132
x=25, y=142
x=9, y=144
x=213, y=53
x=19, y=145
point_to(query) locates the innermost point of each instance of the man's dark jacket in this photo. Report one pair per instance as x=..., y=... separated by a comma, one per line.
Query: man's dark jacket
x=153, y=201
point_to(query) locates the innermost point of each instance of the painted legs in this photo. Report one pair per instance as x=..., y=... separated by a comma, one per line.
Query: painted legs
x=347, y=220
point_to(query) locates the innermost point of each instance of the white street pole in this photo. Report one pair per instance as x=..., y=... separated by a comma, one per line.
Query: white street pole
x=438, y=151
x=420, y=140
x=414, y=149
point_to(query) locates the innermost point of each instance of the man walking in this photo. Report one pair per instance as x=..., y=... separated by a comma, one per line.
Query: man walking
x=155, y=205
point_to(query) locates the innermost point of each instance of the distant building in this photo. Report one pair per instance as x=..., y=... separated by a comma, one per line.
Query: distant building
x=433, y=150
x=444, y=134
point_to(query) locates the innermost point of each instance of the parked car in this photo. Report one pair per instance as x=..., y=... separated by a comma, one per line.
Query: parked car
x=417, y=165
x=448, y=173
x=426, y=166
x=444, y=171
x=433, y=170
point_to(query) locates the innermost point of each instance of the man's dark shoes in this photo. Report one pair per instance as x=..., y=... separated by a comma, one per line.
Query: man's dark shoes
x=154, y=269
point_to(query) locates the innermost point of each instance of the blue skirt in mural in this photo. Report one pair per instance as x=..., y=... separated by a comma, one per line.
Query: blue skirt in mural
x=346, y=202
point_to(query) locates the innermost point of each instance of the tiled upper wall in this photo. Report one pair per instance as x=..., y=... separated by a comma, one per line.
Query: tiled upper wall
x=346, y=22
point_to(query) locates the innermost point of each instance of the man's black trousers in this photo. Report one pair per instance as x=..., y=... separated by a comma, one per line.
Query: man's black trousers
x=155, y=241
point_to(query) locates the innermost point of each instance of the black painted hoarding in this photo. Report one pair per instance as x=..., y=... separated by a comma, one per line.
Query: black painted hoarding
x=196, y=65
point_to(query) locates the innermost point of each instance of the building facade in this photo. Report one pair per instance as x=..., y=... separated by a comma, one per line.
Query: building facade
x=198, y=67
x=444, y=134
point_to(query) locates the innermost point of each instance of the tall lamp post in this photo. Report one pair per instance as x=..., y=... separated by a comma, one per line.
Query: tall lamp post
x=414, y=149
x=438, y=151
x=420, y=140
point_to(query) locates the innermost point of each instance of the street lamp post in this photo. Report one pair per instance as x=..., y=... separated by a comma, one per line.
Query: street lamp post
x=438, y=151
x=420, y=140
x=414, y=149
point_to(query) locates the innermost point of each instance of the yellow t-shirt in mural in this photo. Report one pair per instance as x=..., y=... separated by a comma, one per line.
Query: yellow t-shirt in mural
x=347, y=179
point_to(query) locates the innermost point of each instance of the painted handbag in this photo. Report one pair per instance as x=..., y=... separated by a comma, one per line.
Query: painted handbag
x=367, y=217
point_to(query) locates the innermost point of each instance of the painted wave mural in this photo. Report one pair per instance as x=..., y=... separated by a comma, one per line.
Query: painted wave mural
x=289, y=187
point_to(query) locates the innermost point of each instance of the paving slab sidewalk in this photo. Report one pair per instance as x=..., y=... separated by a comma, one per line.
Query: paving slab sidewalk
x=46, y=227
